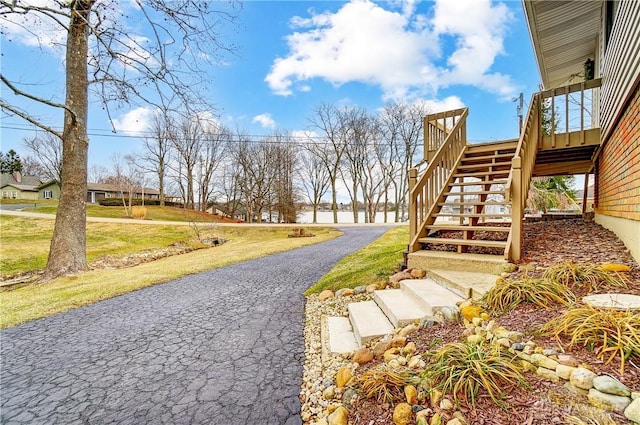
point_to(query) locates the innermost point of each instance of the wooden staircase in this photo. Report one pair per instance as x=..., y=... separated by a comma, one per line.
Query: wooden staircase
x=474, y=212
x=471, y=198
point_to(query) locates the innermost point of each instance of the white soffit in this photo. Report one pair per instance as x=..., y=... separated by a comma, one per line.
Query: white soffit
x=564, y=35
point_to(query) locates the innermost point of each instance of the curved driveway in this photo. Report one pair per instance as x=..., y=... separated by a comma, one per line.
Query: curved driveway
x=220, y=347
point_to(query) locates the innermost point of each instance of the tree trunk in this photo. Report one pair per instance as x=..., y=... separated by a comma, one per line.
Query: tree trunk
x=67, y=254
x=334, y=199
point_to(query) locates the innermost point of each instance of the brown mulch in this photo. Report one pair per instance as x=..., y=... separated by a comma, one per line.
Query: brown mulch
x=545, y=243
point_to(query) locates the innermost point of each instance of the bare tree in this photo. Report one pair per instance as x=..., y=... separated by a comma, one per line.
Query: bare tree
x=330, y=150
x=162, y=67
x=285, y=162
x=314, y=177
x=187, y=141
x=213, y=148
x=126, y=177
x=32, y=167
x=402, y=126
x=157, y=149
x=97, y=173
x=47, y=149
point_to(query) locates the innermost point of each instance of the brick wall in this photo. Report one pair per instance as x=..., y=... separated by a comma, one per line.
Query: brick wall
x=618, y=178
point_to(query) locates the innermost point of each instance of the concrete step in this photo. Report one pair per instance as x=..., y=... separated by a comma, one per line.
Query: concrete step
x=368, y=321
x=433, y=296
x=468, y=284
x=482, y=263
x=341, y=336
x=399, y=306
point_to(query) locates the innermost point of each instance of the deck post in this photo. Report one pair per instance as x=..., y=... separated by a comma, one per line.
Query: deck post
x=584, y=195
x=413, y=213
x=516, y=208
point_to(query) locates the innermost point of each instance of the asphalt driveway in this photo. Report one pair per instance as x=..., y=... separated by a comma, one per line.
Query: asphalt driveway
x=219, y=347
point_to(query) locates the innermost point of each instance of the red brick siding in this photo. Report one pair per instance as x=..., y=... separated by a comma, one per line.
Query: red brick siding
x=618, y=182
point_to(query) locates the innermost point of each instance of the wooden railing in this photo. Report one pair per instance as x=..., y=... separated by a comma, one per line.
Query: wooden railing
x=545, y=125
x=425, y=192
x=436, y=129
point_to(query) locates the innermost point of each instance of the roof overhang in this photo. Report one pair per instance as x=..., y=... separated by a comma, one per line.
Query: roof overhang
x=564, y=36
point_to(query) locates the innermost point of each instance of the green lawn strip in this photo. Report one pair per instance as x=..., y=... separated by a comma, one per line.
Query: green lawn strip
x=40, y=300
x=371, y=264
x=25, y=241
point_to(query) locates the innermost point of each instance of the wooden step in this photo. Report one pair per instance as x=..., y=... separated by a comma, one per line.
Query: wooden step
x=503, y=145
x=483, y=174
x=508, y=156
x=464, y=227
x=479, y=183
x=471, y=203
x=466, y=242
x=441, y=214
x=505, y=165
x=481, y=192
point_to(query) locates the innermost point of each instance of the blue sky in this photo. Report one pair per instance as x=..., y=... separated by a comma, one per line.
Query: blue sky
x=293, y=55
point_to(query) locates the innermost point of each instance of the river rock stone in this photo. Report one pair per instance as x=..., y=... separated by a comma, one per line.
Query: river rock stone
x=608, y=401
x=409, y=329
x=399, y=341
x=402, y=414
x=411, y=394
x=361, y=289
x=329, y=393
x=548, y=374
x=380, y=348
x=543, y=361
x=610, y=385
x=372, y=287
x=325, y=295
x=348, y=397
x=564, y=371
x=632, y=412
x=363, y=355
x=418, y=273
x=344, y=292
x=567, y=360
x=339, y=416
x=343, y=376
x=582, y=378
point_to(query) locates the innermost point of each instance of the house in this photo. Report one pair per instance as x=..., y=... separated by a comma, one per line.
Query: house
x=96, y=192
x=16, y=186
x=586, y=120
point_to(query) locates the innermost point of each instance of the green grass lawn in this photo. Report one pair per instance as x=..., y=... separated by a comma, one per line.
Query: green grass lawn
x=371, y=264
x=25, y=244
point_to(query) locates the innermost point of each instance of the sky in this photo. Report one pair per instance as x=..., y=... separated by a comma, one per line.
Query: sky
x=294, y=55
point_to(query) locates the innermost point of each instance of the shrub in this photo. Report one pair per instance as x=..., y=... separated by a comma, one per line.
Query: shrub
x=508, y=294
x=463, y=369
x=384, y=383
x=608, y=332
x=583, y=274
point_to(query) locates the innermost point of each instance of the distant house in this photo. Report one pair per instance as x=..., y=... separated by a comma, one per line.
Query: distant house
x=96, y=192
x=17, y=186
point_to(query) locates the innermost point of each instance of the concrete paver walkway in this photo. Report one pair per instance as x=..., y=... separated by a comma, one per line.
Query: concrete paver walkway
x=219, y=347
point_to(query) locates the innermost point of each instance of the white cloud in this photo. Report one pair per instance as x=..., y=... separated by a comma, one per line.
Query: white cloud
x=265, y=120
x=441, y=105
x=134, y=121
x=397, y=49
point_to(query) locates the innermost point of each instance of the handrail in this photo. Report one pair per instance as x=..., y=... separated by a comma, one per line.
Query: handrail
x=425, y=191
x=531, y=140
x=436, y=130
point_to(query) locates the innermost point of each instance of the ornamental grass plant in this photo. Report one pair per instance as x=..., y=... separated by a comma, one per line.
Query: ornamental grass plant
x=587, y=275
x=608, y=332
x=384, y=383
x=464, y=369
x=508, y=294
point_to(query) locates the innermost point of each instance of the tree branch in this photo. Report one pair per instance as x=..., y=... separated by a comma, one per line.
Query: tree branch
x=28, y=118
x=19, y=92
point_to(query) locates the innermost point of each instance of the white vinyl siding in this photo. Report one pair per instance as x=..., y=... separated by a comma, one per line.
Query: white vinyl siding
x=620, y=63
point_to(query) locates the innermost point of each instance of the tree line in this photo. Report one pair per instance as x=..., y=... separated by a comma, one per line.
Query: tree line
x=201, y=162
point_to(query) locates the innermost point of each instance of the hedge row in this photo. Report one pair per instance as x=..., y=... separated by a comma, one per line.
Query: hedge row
x=117, y=202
